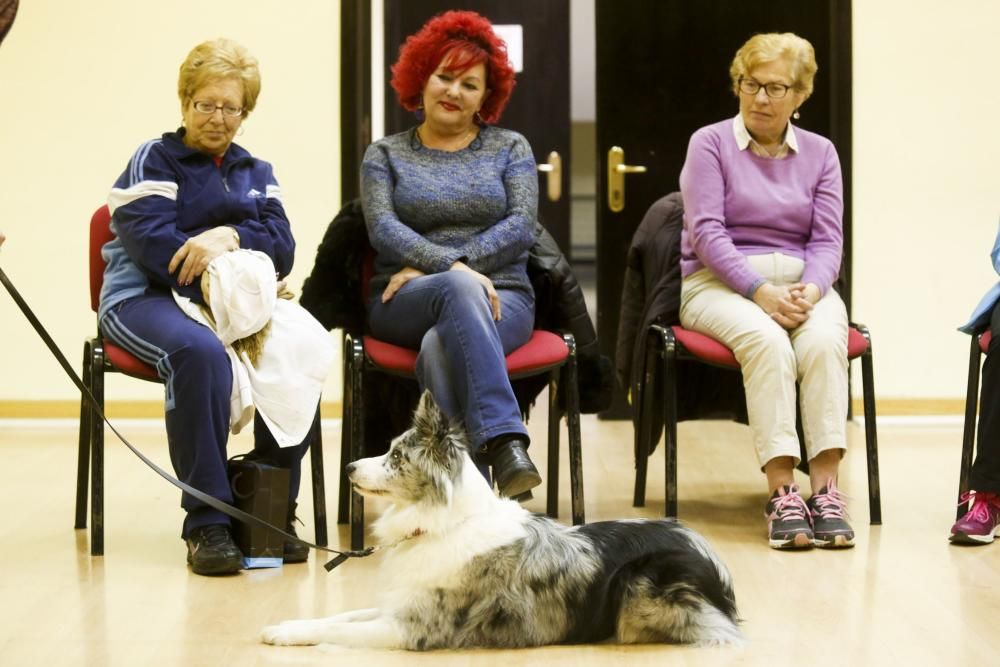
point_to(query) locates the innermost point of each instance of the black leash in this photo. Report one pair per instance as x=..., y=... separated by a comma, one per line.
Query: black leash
x=226, y=508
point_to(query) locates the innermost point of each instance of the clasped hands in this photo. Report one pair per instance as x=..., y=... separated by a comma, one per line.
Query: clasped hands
x=408, y=273
x=788, y=305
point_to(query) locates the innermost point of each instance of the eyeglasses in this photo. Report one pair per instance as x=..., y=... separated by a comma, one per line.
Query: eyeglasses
x=773, y=90
x=209, y=108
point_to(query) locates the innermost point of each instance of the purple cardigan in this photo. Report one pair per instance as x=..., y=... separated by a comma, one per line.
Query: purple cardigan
x=737, y=204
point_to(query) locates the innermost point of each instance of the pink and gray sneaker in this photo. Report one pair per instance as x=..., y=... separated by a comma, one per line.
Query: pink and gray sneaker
x=829, y=518
x=981, y=522
x=788, y=525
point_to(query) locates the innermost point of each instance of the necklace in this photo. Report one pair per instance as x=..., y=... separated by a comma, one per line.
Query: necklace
x=449, y=146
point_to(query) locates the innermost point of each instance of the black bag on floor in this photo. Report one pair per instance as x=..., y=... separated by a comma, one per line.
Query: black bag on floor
x=260, y=489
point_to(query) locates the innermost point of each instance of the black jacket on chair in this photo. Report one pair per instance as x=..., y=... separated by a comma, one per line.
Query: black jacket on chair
x=652, y=295
x=332, y=293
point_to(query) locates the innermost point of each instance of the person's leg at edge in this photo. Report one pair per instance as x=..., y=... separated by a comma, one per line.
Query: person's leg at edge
x=981, y=523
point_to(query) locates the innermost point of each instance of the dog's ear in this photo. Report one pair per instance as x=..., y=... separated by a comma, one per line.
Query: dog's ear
x=430, y=422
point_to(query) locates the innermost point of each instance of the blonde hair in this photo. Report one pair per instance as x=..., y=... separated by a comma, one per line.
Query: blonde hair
x=215, y=60
x=772, y=46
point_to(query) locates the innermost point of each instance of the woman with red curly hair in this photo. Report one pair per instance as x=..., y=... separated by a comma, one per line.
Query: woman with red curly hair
x=450, y=206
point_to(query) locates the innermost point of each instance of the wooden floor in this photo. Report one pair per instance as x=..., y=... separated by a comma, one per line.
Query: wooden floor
x=902, y=596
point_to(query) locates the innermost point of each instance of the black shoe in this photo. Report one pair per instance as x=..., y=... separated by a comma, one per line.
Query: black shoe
x=294, y=552
x=211, y=550
x=513, y=471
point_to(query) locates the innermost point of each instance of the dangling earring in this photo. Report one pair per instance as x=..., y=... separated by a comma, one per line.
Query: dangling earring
x=419, y=113
x=479, y=119
x=239, y=132
x=796, y=115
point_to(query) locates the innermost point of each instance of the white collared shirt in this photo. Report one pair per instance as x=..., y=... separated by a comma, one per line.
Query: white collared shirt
x=744, y=140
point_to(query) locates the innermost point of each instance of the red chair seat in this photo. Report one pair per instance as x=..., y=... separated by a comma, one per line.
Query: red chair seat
x=128, y=363
x=984, y=341
x=712, y=351
x=543, y=350
x=389, y=357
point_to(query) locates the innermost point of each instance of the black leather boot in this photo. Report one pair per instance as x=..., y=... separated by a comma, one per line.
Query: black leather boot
x=513, y=471
x=294, y=552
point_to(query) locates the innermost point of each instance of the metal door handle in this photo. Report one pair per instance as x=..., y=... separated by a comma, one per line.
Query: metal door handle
x=553, y=173
x=616, y=177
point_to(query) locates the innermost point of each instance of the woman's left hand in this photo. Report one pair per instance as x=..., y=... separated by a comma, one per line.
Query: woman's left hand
x=399, y=279
x=198, y=252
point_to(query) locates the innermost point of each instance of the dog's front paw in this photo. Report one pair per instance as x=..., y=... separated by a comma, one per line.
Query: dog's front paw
x=290, y=633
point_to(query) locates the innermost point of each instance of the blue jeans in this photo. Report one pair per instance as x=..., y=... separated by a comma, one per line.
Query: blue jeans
x=198, y=377
x=447, y=316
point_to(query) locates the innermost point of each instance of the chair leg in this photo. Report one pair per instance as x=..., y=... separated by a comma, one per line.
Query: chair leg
x=572, y=391
x=83, y=455
x=969, y=430
x=871, y=437
x=643, y=424
x=555, y=415
x=357, y=439
x=670, y=420
x=97, y=453
x=346, y=424
x=318, y=481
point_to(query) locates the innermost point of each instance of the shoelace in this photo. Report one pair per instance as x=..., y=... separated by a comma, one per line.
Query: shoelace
x=789, y=506
x=214, y=535
x=830, y=505
x=981, y=503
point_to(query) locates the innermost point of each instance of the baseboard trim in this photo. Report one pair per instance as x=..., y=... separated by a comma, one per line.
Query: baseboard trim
x=911, y=406
x=113, y=409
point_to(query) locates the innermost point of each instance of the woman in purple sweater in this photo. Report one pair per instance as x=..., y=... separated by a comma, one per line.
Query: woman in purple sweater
x=761, y=247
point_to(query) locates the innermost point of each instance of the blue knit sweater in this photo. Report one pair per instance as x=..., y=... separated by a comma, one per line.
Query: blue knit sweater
x=427, y=208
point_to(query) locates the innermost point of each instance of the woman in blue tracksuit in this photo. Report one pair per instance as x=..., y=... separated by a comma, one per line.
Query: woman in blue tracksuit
x=183, y=200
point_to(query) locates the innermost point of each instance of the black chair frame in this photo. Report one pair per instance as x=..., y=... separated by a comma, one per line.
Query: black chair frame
x=90, y=459
x=663, y=345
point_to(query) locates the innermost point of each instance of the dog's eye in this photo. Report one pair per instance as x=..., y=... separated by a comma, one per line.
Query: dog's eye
x=395, y=455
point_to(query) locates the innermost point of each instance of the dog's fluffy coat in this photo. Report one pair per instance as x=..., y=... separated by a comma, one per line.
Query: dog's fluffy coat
x=470, y=569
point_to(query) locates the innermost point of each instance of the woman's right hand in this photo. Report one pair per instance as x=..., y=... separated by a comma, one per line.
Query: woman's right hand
x=785, y=304
x=399, y=279
x=491, y=291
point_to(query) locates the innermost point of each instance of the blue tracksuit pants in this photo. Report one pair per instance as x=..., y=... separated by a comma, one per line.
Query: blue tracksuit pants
x=198, y=377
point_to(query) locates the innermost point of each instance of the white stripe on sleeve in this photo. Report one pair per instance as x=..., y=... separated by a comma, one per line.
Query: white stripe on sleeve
x=120, y=197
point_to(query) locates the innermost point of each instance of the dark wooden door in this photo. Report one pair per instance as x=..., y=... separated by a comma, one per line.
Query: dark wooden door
x=539, y=108
x=663, y=72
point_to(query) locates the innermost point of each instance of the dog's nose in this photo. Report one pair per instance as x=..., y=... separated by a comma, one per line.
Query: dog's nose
x=350, y=468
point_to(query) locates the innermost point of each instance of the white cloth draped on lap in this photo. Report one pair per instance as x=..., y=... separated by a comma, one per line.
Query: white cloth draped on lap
x=286, y=383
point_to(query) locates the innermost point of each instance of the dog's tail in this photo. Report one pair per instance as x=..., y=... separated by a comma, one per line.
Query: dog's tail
x=679, y=612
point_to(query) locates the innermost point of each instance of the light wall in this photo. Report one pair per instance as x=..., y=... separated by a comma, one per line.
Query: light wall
x=82, y=84
x=926, y=184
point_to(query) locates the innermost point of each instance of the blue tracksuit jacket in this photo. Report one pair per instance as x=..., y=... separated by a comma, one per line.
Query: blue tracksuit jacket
x=169, y=193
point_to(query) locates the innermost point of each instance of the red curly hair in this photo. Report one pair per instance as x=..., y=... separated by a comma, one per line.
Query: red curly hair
x=466, y=39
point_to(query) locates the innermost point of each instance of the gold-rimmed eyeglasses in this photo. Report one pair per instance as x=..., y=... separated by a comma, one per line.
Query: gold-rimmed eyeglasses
x=209, y=108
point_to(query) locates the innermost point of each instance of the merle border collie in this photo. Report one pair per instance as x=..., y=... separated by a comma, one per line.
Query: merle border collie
x=464, y=568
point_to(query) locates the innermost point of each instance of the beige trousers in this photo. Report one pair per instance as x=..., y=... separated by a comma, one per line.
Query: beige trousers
x=772, y=358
